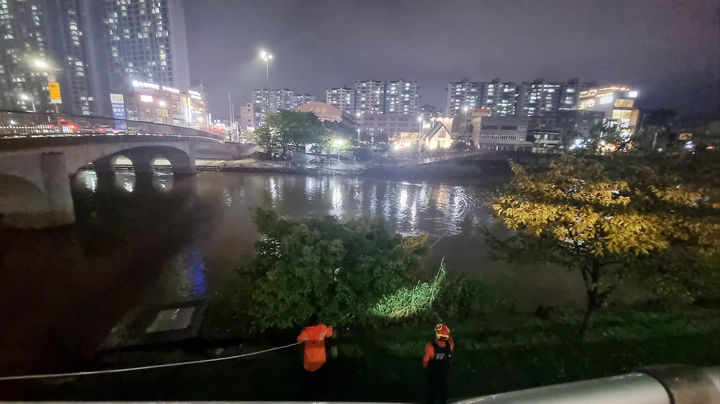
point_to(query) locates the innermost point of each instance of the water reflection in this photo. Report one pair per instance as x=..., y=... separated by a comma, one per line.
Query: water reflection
x=449, y=213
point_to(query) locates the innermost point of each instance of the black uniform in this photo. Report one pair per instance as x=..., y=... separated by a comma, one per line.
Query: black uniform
x=438, y=371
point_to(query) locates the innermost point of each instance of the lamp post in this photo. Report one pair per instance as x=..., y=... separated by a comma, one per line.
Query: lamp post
x=338, y=143
x=267, y=57
x=420, y=123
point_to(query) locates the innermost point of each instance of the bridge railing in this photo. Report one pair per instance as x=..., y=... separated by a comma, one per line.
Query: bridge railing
x=423, y=158
x=18, y=124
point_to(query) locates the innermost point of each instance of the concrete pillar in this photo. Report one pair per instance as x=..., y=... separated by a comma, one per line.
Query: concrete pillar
x=104, y=165
x=142, y=162
x=37, y=195
x=183, y=164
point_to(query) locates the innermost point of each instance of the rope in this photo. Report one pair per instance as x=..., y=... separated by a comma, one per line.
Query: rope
x=133, y=369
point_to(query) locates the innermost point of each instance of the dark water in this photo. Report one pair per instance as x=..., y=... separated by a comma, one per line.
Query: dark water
x=450, y=213
x=142, y=241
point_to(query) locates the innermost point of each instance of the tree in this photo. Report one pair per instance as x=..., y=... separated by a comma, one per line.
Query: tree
x=266, y=139
x=616, y=217
x=323, y=266
x=607, y=136
x=292, y=129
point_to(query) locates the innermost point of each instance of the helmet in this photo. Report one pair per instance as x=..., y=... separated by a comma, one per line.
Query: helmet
x=442, y=331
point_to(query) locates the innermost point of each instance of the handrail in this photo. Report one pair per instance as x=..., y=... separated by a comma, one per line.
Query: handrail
x=677, y=384
x=23, y=124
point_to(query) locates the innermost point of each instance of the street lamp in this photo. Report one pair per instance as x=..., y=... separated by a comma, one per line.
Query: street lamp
x=267, y=57
x=338, y=143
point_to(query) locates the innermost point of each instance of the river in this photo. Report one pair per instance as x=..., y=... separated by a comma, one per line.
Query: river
x=148, y=241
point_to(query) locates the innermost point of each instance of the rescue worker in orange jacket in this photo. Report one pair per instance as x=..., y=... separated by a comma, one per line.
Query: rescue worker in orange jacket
x=437, y=361
x=313, y=337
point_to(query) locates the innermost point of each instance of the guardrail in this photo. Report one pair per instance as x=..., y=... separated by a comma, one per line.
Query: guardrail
x=673, y=384
x=425, y=158
x=19, y=124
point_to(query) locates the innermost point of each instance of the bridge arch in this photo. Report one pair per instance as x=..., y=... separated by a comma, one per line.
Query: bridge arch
x=144, y=157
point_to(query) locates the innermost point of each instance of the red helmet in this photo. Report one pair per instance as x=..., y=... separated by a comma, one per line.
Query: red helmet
x=442, y=331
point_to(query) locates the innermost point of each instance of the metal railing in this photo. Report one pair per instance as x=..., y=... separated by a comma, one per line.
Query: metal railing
x=674, y=384
x=24, y=125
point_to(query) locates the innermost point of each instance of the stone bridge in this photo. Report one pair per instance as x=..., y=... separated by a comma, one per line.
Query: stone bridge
x=35, y=171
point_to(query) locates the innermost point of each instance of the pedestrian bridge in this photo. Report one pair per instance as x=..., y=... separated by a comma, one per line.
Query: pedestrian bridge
x=39, y=153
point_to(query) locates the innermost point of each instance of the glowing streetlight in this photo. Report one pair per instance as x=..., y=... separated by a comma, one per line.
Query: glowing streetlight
x=267, y=57
x=338, y=143
x=465, y=108
x=41, y=64
x=162, y=104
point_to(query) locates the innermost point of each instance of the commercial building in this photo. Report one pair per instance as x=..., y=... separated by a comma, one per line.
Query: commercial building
x=570, y=93
x=502, y=133
x=42, y=41
x=151, y=102
x=379, y=127
x=249, y=117
x=342, y=98
x=616, y=102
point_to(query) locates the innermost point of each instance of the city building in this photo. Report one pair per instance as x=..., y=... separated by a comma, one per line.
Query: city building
x=502, y=133
x=151, y=102
x=272, y=101
x=438, y=137
x=570, y=92
x=401, y=97
x=499, y=97
x=44, y=41
x=616, y=102
x=324, y=111
x=538, y=98
x=428, y=110
x=370, y=97
x=249, y=117
x=577, y=121
x=342, y=98
x=146, y=41
x=380, y=127
x=462, y=95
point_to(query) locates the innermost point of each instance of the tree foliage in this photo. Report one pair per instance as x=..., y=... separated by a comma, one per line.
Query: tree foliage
x=292, y=129
x=323, y=266
x=615, y=217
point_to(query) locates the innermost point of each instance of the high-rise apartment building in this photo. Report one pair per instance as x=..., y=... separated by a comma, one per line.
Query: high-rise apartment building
x=302, y=99
x=463, y=94
x=570, y=92
x=370, y=97
x=401, y=97
x=342, y=98
x=499, y=97
x=391, y=97
x=146, y=41
x=41, y=41
x=538, y=98
x=272, y=101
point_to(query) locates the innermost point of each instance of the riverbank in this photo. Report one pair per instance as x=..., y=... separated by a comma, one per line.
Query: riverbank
x=495, y=352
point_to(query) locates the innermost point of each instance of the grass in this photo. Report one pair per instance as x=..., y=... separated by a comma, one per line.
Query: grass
x=495, y=352
x=409, y=302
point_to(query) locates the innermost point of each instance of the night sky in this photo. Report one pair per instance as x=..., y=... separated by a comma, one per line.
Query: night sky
x=669, y=49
